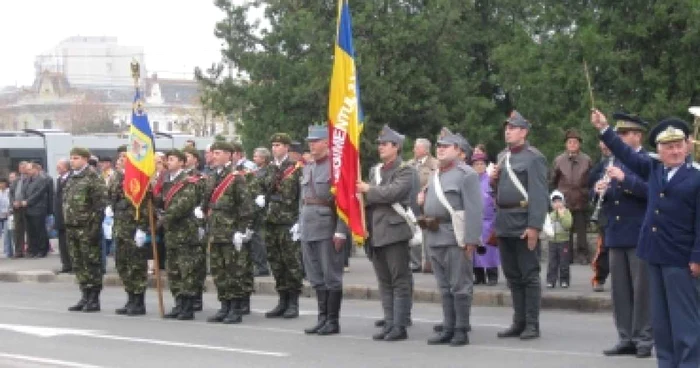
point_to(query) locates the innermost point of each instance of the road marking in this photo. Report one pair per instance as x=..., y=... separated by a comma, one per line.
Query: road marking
x=55, y=362
x=48, y=332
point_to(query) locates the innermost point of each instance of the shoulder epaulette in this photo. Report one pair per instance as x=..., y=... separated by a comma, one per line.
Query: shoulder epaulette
x=534, y=150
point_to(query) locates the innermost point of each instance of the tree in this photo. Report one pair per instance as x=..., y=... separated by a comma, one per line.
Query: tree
x=87, y=115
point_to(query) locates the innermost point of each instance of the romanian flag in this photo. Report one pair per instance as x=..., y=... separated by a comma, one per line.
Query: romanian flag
x=345, y=126
x=140, y=163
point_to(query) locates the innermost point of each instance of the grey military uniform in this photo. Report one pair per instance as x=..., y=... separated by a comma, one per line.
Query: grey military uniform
x=453, y=270
x=520, y=265
x=390, y=234
x=319, y=222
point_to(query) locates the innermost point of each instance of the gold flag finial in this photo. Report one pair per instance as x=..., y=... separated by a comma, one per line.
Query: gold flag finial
x=135, y=71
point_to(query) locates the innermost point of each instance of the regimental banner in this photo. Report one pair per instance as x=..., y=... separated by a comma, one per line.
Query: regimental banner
x=140, y=163
x=345, y=126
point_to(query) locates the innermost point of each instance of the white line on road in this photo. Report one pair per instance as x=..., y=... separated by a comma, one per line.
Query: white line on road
x=55, y=362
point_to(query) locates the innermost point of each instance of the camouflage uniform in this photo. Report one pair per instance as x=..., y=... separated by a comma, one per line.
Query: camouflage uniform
x=132, y=266
x=201, y=244
x=84, y=200
x=230, y=268
x=282, y=195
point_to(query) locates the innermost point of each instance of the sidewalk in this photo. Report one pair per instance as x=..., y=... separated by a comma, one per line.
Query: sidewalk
x=359, y=283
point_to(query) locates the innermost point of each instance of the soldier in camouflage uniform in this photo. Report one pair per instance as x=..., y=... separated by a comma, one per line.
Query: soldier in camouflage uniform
x=243, y=166
x=191, y=165
x=129, y=258
x=84, y=199
x=228, y=209
x=281, y=192
x=178, y=201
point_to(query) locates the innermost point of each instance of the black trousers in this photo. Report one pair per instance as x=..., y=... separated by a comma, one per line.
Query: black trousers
x=558, y=262
x=521, y=266
x=578, y=232
x=63, y=249
x=20, y=223
x=36, y=234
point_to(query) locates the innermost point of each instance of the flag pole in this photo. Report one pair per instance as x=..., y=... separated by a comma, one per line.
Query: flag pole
x=156, y=259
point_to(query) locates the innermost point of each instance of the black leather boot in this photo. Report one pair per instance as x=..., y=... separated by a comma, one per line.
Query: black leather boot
x=93, y=300
x=460, y=337
x=176, y=309
x=322, y=299
x=396, y=333
x=332, y=325
x=187, y=311
x=492, y=276
x=278, y=310
x=292, y=305
x=138, y=307
x=532, y=331
x=125, y=308
x=221, y=313
x=245, y=305
x=197, y=304
x=443, y=337
x=81, y=303
x=234, y=313
x=513, y=331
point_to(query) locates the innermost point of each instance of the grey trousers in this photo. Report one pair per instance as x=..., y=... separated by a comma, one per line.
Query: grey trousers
x=258, y=252
x=630, y=297
x=323, y=265
x=395, y=282
x=454, y=273
x=521, y=266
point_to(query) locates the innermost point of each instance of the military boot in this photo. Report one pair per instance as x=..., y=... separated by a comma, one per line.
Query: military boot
x=245, y=305
x=292, y=305
x=81, y=303
x=396, y=333
x=322, y=299
x=443, y=337
x=222, y=312
x=197, y=304
x=93, y=300
x=234, y=313
x=460, y=337
x=187, y=311
x=332, y=325
x=278, y=310
x=531, y=331
x=514, y=330
x=176, y=309
x=125, y=308
x=138, y=307
x=379, y=336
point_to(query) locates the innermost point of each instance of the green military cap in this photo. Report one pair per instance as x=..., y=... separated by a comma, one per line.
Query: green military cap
x=221, y=146
x=80, y=151
x=192, y=151
x=121, y=148
x=177, y=153
x=281, y=138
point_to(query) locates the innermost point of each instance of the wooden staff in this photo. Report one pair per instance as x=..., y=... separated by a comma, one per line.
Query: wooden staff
x=361, y=199
x=588, y=79
x=156, y=261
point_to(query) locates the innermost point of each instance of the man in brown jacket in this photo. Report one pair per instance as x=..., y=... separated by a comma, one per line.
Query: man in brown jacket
x=425, y=165
x=570, y=176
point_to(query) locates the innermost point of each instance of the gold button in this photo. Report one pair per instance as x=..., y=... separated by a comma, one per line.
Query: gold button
x=661, y=195
x=617, y=218
x=653, y=229
x=617, y=203
x=657, y=211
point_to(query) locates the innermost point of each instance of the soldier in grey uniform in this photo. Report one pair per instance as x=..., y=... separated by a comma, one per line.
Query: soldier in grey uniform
x=322, y=234
x=519, y=221
x=452, y=260
x=387, y=199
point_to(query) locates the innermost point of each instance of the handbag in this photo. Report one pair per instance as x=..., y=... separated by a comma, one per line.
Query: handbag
x=457, y=217
x=407, y=215
x=547, y=227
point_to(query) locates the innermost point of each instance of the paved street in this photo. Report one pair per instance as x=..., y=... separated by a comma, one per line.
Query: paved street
x=37, y=331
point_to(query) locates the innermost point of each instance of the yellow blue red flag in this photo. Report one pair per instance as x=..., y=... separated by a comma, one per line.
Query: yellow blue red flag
x=345, y=126
x=140, y=163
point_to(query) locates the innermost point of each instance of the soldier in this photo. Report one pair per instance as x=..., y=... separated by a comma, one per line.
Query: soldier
x=520, y=179
x=84, y=203
x=130, y=259
x=228, y=209
x=669, y=240
x=182, y=245
x=322, y=234
x=454, y=189
x=387, y=198
x=425, y=165
x=281, y=192
x=625, y=201
x=261, y=157
x=191, y=165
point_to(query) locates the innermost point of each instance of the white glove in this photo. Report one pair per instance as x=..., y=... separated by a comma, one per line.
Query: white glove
x=238, y=241
x=201, y=233
x=260, y=200
x=198, y=213
x=296, y=234
x=417, y=237
x=140, y=238
x=248, y=235
x=109, y=212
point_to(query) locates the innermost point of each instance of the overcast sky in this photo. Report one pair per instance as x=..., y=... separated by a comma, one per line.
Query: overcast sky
x=177, y=35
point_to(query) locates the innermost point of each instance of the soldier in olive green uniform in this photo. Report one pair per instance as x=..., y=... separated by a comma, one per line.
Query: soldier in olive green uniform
x=281, y=193
x=84, y=199
x=191, y=165
x=129, y=258
x=228, y=209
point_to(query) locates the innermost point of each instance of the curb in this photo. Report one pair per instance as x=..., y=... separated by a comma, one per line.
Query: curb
x=482, y=298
